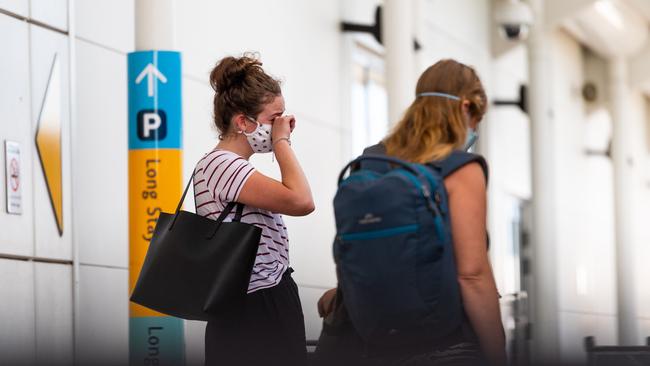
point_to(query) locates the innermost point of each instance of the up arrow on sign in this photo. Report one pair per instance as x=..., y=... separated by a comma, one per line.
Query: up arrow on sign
x=151, y=72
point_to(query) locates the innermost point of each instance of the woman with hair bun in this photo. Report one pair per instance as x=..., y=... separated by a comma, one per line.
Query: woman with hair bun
x=249, y=114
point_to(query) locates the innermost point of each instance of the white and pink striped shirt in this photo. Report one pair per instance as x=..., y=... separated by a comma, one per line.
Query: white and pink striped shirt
x=218, y=178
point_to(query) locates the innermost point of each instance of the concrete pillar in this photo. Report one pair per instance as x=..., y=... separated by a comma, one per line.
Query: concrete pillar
x=154, y=25
x=154, y=81
x=626, y=182
x=397, y=34
x=544, y=304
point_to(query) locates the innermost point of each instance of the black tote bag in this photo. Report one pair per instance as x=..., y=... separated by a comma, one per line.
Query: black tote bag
x=196, y=267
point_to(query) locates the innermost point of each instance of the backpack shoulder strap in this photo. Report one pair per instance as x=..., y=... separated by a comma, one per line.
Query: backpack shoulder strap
x=377, y=166
x=446, y=167
x=377, y=149
x=457, y=160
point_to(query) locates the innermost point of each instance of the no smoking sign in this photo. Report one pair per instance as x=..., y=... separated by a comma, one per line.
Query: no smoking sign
x=12, y=173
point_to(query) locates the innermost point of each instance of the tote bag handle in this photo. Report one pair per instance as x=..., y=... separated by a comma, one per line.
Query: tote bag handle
x=224, y=213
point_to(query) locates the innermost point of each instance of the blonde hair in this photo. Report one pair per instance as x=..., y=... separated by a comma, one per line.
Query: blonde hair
x=432, y=127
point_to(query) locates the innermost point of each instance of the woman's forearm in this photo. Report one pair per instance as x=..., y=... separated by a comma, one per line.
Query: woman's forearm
x=481, y=303
x=293, y=176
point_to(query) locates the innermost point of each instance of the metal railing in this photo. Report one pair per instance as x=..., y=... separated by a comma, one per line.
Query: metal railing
x=616, y=355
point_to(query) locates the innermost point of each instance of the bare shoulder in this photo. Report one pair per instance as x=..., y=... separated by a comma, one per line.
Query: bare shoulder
x=469, y=177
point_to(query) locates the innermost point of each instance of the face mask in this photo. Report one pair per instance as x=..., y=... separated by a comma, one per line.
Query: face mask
x=260, y=139
x=472, y=136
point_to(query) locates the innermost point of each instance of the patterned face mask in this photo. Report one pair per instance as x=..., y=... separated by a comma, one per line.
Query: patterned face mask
x=260, y=139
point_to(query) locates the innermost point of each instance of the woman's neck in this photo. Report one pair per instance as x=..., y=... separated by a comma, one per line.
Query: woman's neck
x=237, y=144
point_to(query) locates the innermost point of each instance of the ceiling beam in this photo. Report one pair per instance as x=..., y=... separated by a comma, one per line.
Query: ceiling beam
x=639, y=65
x=643, y=6
x=558, y=11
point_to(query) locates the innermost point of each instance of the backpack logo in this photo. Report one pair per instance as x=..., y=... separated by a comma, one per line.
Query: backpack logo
x=369, y=219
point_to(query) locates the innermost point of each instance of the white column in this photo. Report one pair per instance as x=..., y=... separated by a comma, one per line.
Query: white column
x=625, y=190
x=397, y=34
x=154, y=25
x=76, y=243
x=544, y=304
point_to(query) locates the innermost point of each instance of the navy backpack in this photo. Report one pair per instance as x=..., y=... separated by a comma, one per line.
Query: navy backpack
x=393, y=249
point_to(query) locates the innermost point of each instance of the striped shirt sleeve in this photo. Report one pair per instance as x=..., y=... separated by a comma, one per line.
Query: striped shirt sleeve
x=226, y=175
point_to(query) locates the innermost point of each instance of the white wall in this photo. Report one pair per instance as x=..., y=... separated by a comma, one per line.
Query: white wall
x=36, y=319
x=584, y=207
x=641, y=118
x=584, y=203
x=584, y=213
x=98, y=223
x=643, y=270
x=455, y=29
x=18, y=346
x=17, y=236
x=505, y=143
x=104, y=35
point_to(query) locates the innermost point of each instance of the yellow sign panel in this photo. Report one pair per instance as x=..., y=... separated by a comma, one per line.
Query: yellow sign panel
x=48, y=142
x=155, y=186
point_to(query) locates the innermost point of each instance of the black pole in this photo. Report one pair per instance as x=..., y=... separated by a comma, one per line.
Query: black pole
x=375, y=29
x=522, y=103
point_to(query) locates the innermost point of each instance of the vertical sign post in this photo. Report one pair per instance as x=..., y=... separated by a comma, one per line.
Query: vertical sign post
x=155, y=128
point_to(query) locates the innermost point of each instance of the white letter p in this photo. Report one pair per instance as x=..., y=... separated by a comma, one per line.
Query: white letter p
x=151, y=122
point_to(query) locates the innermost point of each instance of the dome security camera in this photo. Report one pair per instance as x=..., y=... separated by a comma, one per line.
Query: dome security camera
x=514, y=19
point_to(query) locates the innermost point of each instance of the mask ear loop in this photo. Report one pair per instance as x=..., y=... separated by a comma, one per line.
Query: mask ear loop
x=272, y=149
x=259, y=124
x=439, y=94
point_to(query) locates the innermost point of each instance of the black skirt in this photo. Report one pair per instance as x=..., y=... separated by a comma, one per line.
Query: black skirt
x=269, y=329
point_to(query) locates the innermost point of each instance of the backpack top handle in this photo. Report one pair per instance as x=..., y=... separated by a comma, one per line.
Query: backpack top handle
x=382, y=158
x=426, y=193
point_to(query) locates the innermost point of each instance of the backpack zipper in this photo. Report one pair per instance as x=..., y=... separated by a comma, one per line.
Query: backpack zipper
x=375, y=234
x=359, y=176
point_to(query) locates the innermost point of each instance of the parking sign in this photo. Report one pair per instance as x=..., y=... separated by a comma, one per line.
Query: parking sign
x=154, y=186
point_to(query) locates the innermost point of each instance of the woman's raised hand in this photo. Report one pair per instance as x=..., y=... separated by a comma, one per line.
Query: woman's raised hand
x=282, y=127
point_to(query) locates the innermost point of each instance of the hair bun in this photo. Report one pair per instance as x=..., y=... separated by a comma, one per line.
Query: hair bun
x=241, y=86
x=231, y=72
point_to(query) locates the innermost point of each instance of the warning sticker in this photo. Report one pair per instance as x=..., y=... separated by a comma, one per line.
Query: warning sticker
x=13, y=185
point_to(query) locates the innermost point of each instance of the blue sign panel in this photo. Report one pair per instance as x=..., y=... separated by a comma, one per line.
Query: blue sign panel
x=155, y=173
x=156, y=340
x=155, y=100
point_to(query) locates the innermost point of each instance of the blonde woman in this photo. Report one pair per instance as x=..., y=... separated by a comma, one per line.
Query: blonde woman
x=438, y=128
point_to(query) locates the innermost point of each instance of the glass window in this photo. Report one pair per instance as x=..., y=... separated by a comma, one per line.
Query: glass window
x=369, y=99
